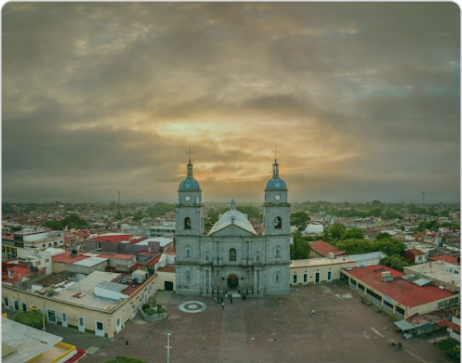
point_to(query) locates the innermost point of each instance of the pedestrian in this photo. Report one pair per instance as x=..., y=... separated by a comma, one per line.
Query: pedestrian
x=222, y=306
x=231, y=299
x=126, y=344
x=434, y=341
x=313, y=312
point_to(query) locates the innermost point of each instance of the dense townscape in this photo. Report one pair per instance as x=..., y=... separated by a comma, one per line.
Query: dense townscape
x=58, y=251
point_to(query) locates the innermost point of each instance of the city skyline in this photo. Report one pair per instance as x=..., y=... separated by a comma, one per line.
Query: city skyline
x=362, y=101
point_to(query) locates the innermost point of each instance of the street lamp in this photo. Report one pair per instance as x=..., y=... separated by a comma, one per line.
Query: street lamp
x=168, y=333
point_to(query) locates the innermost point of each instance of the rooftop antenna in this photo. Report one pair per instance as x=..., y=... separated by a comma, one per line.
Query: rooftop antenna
x=119, y=199
x=423, y=197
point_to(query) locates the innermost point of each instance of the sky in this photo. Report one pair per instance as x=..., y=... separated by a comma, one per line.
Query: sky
x=360, y=100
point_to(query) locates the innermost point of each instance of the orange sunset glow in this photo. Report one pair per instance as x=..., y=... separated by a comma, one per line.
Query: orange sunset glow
x=361, y=100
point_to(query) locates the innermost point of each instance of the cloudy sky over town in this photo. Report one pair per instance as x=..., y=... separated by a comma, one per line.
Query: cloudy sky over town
x=362, y=100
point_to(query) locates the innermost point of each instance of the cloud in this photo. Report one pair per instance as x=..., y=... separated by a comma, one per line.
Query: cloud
x=362, y=100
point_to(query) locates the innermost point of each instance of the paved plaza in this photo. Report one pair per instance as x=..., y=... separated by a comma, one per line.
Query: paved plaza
x=264, y=329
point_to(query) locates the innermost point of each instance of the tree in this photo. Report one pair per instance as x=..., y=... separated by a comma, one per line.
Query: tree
x=118, y=216
x=382, y=235
x=31, y=318
x=353, y=233
x=159, y=209
x=138, y=216
x=334, y=233
x=395, y=262
x=299, y=220
x=355, y=246
x=300, y=248
x=390, y=246
x=449, y=347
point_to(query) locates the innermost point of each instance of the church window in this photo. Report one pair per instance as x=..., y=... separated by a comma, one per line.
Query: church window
x=187, y=276
x=257, y=257
x=278, y=252
x=295, y=278
x=187, y=223
x=277, y=277
x=232, y=254
x=206, y=257
x=187, y=252
x=277, y=223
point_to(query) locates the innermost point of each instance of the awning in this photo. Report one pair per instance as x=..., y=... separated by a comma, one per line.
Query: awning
x=404, y=325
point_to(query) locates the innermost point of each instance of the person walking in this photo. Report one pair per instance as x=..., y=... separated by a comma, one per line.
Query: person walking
x=313, y=312
x=222, y=306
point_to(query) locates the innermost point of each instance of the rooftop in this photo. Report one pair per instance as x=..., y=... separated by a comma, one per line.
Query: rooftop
x=82, y=292
x=400, y=290
x=320, y=262
x=26, y=342
x=446, y=258
x=437, y=270
x=325, y=248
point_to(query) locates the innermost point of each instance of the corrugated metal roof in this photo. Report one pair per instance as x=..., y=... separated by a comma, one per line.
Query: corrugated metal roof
x=404, y=325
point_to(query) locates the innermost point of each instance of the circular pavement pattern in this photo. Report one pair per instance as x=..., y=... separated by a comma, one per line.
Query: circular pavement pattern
x=193, y=307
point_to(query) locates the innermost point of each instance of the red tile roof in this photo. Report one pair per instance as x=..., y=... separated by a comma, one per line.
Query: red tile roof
x=67, y=258
x=168, y=268
x=400, y=290
x=324, y=248
x=170, y=253
x=416, y=252
x=450, y=324
x=446, y=258
x=154, y=260
x=119, y=238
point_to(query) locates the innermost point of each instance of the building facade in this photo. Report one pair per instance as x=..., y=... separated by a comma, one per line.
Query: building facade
x=232, y=255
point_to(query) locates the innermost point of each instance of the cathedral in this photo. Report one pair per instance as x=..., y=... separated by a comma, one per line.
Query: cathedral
x=232, y=256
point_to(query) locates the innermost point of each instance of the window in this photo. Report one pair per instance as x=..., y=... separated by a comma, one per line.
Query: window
x=277, y=277
x=305, y=278
x=187, y=276
x=232, y=254
x=187, y=252
x=257, y=257
x=277, y=223
x=99, y=325
x=187, y=223
x=295, y=279
x=278, y=252
x=329, y=275
x=5, y=301
x=51, y=314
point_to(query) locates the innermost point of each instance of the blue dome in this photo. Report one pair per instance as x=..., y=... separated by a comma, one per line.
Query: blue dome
x=276, y=183
x=189, y=184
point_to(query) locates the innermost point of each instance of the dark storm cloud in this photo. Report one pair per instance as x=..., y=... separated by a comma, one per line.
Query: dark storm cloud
x=357, y=96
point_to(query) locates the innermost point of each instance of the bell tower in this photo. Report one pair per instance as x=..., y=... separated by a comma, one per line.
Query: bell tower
x=276, y=207
x=189, y=217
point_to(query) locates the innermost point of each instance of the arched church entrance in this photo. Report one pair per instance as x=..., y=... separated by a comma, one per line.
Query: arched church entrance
x=233, y=282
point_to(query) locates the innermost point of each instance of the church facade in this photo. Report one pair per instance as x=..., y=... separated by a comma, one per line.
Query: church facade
x=232, y=256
